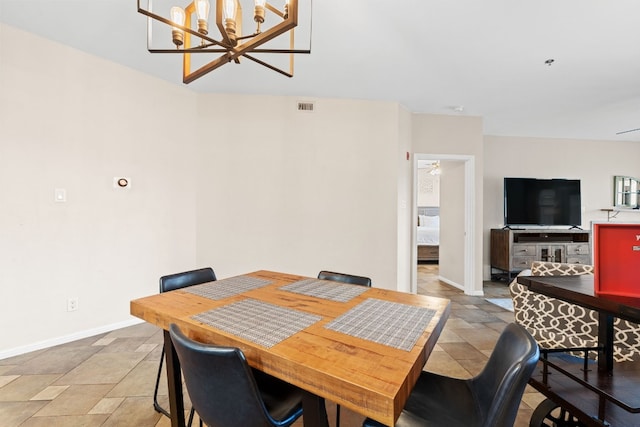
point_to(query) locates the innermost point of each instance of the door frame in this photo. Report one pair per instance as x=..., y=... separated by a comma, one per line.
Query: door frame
x=469, y=220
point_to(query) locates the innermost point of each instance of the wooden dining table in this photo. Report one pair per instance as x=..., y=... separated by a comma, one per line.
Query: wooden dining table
x=360, y=347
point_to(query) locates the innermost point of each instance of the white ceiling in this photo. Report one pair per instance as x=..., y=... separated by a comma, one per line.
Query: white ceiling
x=428, y=55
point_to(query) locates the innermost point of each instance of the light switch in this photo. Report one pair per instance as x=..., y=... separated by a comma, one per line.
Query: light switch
x=60, y=195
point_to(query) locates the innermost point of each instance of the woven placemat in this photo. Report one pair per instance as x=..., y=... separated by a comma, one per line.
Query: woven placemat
x=390, y=323
x=325, y=289
x=226, y=288
x=257, y=321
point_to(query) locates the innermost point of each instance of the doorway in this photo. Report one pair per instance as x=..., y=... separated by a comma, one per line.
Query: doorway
x=457, y=221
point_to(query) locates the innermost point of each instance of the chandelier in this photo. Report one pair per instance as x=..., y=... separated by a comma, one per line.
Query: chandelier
x=191, y=33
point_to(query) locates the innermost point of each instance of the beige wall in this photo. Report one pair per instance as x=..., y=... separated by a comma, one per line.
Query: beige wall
x=69, y=120
x=593, y=162
x=297, y=191
x=452, y=232
x=405, y=227
x=458, y=137
x=292, y=191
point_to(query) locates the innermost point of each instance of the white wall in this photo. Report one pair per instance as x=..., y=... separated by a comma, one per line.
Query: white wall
x=69, y=120
x=296, y=191
x=593, y=162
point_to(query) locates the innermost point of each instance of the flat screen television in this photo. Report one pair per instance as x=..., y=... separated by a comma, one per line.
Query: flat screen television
x=531, y=201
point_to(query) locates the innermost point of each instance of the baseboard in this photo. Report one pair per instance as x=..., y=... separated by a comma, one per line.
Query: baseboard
x=459, y=286
x=67, y=338
x=450, y=282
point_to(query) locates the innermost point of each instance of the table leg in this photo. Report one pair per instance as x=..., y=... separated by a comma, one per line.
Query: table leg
x=314, y=412
x=174, y=383
x=605, y=340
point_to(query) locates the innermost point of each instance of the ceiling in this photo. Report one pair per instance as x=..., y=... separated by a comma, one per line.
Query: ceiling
x=431, y=56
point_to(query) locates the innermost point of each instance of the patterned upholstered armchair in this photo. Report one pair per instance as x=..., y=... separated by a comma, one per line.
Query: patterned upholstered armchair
x=558, y=325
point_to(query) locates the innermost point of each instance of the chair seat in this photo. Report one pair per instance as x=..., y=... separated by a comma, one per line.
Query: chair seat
x=282, y=400
x=438, y=401
x=490, y=399
x=224, y=390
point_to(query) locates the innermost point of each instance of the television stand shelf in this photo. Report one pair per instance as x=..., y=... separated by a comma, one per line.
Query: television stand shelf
x=514, y=250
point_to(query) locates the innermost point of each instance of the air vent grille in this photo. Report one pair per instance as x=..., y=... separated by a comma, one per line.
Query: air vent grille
x=306, y=106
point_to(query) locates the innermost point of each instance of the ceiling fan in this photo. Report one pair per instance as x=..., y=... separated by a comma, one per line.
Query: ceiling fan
x=434, y=168
x=627, y=131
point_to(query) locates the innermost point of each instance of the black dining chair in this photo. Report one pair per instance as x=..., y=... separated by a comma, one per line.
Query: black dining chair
x=172, y=282
x=224, y=391
x=344, y=278
x=490, y=399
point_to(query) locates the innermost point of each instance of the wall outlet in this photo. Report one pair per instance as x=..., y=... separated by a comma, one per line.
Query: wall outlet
x=72, y=304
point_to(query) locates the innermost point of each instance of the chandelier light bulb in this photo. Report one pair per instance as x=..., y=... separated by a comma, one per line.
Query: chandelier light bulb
x=202, y=9
x=177, y=17
x=229, y=9
x=202, y=12
x=229, y=12
x=258, y=14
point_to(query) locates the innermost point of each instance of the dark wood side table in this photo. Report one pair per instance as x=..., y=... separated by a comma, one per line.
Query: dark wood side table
x=610, y=394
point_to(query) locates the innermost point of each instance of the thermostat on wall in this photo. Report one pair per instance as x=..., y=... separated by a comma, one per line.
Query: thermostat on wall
x=121, y=182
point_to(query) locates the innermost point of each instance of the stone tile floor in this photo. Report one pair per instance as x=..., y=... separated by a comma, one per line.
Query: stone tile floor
x=107, y=380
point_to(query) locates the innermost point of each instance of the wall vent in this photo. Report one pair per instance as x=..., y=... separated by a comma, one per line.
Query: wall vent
x=306, y=106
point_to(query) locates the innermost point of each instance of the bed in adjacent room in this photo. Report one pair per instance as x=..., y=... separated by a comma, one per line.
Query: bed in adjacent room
x=428, y=237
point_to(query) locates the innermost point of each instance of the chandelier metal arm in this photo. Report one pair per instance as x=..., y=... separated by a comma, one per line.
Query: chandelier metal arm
x=190, y=50
x=274, y=10
x=269, y=66
x=281, y=50
x=235, y=53
x=262, y=38
x=247, y=36
x=216, y=63
x=208, y=49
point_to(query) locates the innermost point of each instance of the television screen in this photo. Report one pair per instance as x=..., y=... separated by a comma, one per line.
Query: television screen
x=530, y=201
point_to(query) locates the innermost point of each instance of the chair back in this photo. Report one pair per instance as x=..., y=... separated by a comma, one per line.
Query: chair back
x=562, y=324
x=344, y=278
x=220, y=383
x=175, y=281
x=500, y=385
x=555, y=324
x=545, y=268
x=558, y=324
